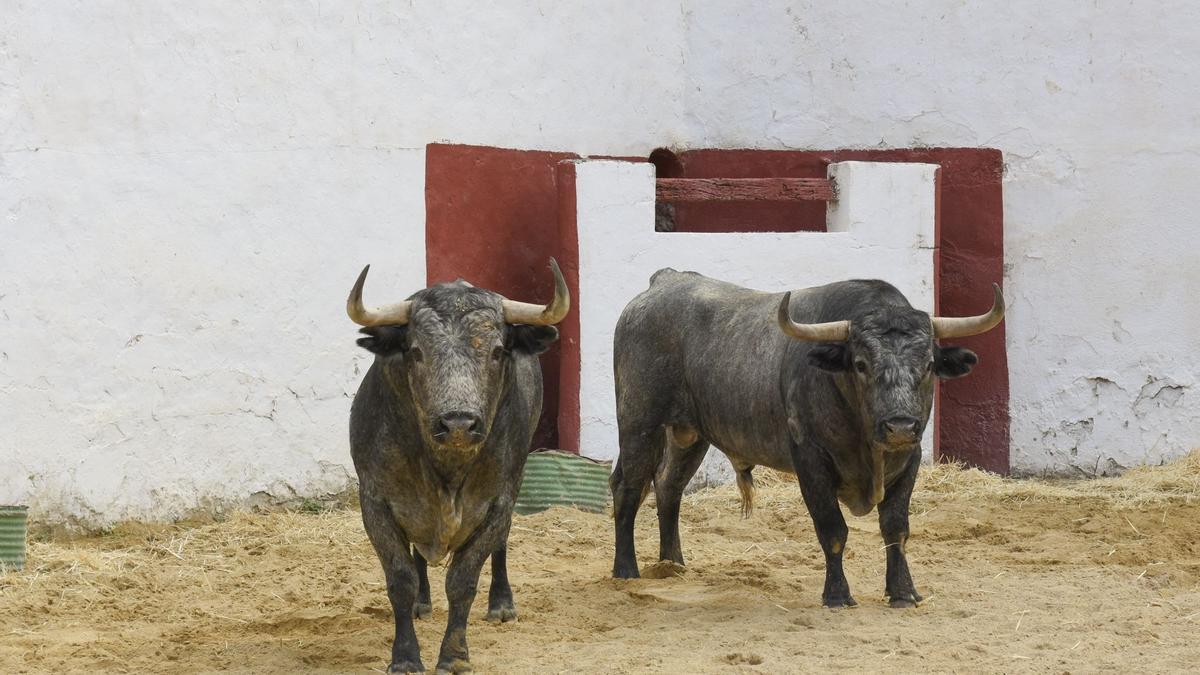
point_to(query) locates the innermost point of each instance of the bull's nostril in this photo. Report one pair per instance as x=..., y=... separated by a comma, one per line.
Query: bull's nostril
x=457, y=424
x=899, y=425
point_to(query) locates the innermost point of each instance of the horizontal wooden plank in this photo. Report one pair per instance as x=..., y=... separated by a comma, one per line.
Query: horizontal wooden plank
x=744, y=189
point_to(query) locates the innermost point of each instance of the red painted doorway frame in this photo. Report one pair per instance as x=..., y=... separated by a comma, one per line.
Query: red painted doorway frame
x=495, y=215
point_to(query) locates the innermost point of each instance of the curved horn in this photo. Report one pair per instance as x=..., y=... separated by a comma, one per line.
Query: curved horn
x=833, y=331
x=964, y=326
x=391, y=315
x=541, y=315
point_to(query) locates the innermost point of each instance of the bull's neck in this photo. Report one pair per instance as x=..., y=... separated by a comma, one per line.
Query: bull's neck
x=832, y=400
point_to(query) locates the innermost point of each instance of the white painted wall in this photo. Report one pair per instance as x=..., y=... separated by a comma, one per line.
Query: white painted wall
x=158, y=160
x=187, y=192
x=173, y=330
x=881, y=227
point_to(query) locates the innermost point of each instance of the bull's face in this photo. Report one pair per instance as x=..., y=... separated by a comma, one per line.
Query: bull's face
x=451, y=349
x=453, y=357
x=886, y=359
x=886, y=367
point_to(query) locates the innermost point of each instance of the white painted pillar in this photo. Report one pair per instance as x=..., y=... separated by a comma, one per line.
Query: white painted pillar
x=891, y=205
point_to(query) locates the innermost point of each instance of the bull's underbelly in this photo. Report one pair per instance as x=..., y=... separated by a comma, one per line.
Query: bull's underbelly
x=857, y=484
x=741, y=459
x=744, y=448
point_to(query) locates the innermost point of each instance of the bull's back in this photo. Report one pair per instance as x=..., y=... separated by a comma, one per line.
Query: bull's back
x=696, y=351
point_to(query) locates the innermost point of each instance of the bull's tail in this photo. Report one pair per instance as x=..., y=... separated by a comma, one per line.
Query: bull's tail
x=745, y=483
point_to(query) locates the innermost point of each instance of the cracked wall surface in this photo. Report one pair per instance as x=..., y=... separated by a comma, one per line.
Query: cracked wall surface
x=186, y=193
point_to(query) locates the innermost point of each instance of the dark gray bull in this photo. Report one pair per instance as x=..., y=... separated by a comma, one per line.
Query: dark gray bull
x=840, y=399
x=439, y=431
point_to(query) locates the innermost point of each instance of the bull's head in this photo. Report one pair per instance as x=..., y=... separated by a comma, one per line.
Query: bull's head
x=452, y=347
x=886, y=361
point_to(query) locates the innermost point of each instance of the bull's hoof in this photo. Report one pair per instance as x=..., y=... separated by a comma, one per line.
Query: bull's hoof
x=501, y=614
x=422, y=610
x=837, y=602
x=904, y=600
x=455, y=666
x=407, y=667
x=626, y=572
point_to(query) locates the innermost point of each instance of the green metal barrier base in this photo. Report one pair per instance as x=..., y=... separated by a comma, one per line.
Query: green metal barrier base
x=557, y=478
x=13, y=525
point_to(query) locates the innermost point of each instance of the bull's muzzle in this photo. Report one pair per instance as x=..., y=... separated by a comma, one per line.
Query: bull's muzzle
x=900, y=430
x=458, y=429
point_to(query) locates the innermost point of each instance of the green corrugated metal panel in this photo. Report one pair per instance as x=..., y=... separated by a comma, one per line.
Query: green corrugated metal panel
x=13, y=521
x=556, y=478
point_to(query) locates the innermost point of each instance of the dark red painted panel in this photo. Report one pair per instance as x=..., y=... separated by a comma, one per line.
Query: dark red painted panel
x=746, y=216
x=491, y=217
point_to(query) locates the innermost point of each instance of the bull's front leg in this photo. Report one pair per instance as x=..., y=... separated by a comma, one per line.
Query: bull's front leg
x=893, y=525
x=462, y=581
x=400, y=572
x=500, y=598
x=818, y=484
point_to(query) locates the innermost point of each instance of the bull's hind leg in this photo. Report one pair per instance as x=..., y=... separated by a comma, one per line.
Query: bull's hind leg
x=630, y=481
x=500, y=597
x=423, y=607
x=684, y=452
x=893, y=525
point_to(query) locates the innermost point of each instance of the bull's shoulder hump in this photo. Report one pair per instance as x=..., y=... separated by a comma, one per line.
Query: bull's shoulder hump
x=862, y=290
x=668, y=274
x=693, y=280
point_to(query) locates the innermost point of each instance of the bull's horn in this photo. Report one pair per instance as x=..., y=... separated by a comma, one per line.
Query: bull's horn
x=391, y=315
x=833, y=331
x=541, y=315
x=964, y=326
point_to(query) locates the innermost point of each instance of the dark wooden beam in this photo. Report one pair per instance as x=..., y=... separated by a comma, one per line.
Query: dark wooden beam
x=744, y=189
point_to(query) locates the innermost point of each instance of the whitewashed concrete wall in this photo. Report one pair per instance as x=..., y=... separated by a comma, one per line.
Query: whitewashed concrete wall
x=135, y=134
x=173, y=330
x=881, y=227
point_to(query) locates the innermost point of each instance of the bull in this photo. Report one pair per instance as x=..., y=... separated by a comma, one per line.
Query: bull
x=832, y=383
x=439, y=432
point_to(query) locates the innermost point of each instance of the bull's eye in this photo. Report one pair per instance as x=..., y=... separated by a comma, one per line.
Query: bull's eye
x=415, y=355
x=497, y=354
x=860, y=366
x=929, y=367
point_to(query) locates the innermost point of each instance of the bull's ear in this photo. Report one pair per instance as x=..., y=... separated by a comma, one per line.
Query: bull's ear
x=384, y=340
x=952, y=362
x=831, y=356
x=531, y=339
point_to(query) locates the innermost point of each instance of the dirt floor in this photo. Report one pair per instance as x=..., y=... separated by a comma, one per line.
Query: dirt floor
x=1017, y=576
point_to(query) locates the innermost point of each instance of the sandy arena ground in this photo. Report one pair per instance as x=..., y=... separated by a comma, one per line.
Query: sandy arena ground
x=1017, y=575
